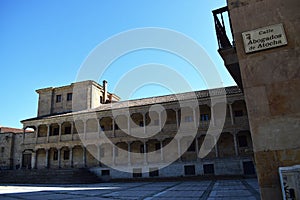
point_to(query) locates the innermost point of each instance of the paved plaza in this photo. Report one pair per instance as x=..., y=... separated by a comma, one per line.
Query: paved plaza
x=219, y=189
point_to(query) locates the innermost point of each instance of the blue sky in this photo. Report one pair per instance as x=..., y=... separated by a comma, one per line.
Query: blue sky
x=44, y=43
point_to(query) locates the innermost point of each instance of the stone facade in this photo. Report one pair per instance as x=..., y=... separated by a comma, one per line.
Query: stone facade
x=75, y=139
x=271, y=84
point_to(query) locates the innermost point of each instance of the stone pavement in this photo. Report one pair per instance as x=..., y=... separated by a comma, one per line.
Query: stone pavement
x=183, y=190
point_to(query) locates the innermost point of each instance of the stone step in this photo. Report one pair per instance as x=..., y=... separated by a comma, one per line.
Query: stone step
x=48, y=176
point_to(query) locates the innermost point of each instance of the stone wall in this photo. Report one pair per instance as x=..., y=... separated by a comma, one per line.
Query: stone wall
x=271, y=85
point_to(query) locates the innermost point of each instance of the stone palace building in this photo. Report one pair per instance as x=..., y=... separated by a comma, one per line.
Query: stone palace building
x=87, y=134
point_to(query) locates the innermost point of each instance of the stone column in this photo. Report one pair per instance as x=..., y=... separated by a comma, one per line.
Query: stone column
x=235, y=145
x=161, y=151
x=72, y=130
x=179, y=150
x=145, y=153
x=144, y=122
x=48, y=132
x=36, y=134
x=84, y=156
x=216, y=148
x=114, y=154
x=33, y=160
x=195, y=118
x=197, y=147
x=231, y=113
x=84, y=129
x=59, y=131
x=212, y=118
x=58, y=156
x=47, y=158
x=71, y=157
x=177, y=118
x=129, y=153
x=128, y=124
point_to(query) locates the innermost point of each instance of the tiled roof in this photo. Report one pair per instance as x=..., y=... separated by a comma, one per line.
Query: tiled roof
x=202, y=94
x=11, y=130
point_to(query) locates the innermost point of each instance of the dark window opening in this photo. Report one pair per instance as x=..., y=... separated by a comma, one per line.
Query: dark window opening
x=58, y=98
x=157, y=146
x=141, y=123
x=242, y=141
x=189, y=170
x=238, y=113
x=137, y=172
x=66, y=155
x=69, y=96
x=68, y=130
x=192, y=147
x=55, y=131
x=153, y=172
x=142, y=150
x=208, y=169
x=204, y=117
x=105, y=172
x=116, y=127
x=2, y=149
x=55, y=155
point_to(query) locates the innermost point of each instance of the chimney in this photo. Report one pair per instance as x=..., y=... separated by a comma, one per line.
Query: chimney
x=105, y=91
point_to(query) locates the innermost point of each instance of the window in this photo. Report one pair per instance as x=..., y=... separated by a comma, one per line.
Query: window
x=238, y=113
x=141, y=123
x=208, y=169
x=192, y=147
x=137, y=172
x=102, y=128
x=157, y=146
x=55, y=131
x=189, y=170
x=66, y=155
x=153, y=172
x=68, y=130
x=204, y=117
x=105, y=172
x=188, y=119
x=55, y=155
x=2, y=149
x=142, y=148
x=58, y=98
x=69, y=96
x=242, y=139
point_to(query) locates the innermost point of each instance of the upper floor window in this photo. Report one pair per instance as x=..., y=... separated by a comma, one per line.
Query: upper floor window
x=69, y=96
x=242, y=139
x=238, y=113
x=204, y=117
x=58, y=98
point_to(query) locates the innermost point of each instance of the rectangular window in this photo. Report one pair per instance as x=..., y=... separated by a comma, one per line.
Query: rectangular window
x=238, y=113
x=153, y=172
x=66, y=155
x=58, y=98
x=208, y=169
x=68, y=130
x=188, y=119
x=242, y=139
x=137, y=172
x=55, y=155
x=204, y=117
x=69, y=96
x=105, y=172
x=189, y=170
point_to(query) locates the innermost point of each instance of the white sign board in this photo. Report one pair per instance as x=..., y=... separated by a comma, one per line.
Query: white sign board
x=264, y=38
